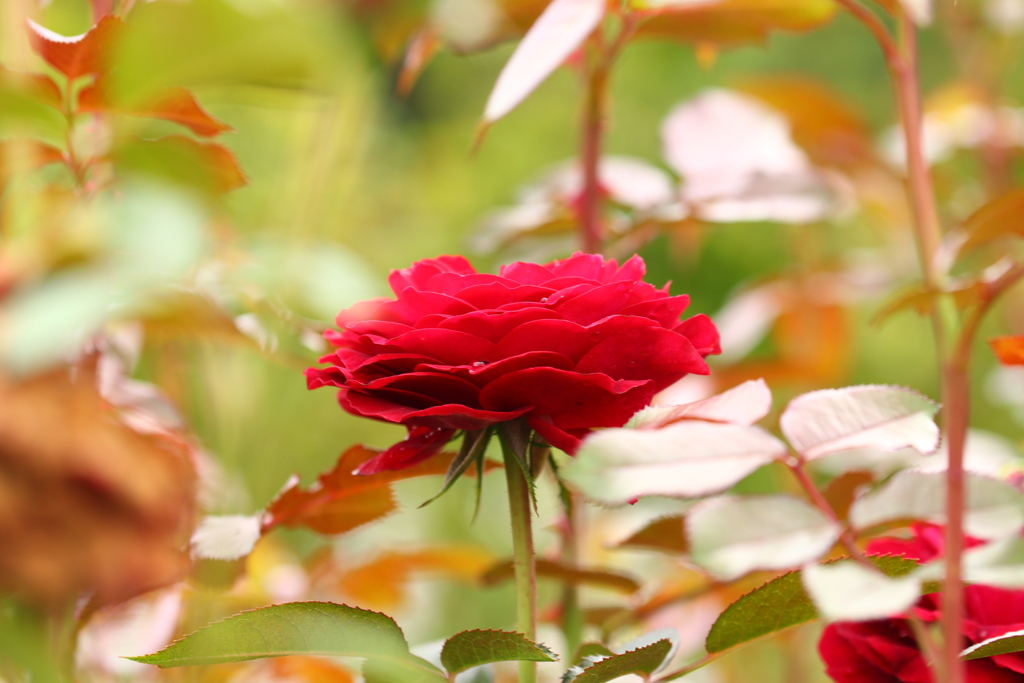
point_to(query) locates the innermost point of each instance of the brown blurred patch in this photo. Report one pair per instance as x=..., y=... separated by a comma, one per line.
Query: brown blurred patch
x=87, y=505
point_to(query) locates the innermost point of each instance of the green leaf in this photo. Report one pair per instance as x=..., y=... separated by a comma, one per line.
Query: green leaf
x=408, y=669
x=999, y=645
x=777, y=605
x=473, y=648
x=473, y=446
x=297, y=628
x=643, y=661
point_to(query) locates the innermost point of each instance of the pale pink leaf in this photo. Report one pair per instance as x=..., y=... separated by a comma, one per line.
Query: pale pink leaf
x=742, y=405
x=880, y=417
x=739, y=162
x=556, y=34
x=731, y=536
x=686, y=459
x=850, y=591
x=994, y=509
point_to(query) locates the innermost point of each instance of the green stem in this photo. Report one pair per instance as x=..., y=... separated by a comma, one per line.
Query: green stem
x=523, y=561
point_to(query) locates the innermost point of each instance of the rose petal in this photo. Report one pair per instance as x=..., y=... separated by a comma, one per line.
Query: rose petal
x=419, y=273
x=574, y=401
x=461, y=417
x=590, y=266
x=653, y=353
x=495, y=294
x=702, y=333
x=633, y=269
x=419, y=444
x=526, y=273
x=493, y=325
x=665, y=312
x=378, y=328
x=435, y=387
x=561, y=336
x=600, y=302
x=316, y=377
x=558, y=438
x=449, y=347
x=481, y=375
x=413, y=305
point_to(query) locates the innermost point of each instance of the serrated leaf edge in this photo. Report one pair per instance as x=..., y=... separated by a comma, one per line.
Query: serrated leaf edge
x=143, y=659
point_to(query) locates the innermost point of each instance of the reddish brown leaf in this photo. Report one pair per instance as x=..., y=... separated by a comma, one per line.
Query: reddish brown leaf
x=1001, y=217
x=602, y=578
x=89, y=505
x=666, y=534
x=75, y=56
x=421, y=49
x=1009, y=350
x=734, y=21
x=841, y=491
x=380, y=584
x=172, y=104
x=341, y=501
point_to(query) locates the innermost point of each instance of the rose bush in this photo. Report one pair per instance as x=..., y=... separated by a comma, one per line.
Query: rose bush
x=570, y=346
x=885, y=650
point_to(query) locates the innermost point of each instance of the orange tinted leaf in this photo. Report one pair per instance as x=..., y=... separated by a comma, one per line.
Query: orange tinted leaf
x=421, y=49
x=1009, y=350
x=75, y=56
x=841, y=491
x=666, y=534
x=380, y=584
x=172, y=104
x=733, y=21
x=827, y=128
x=308, y=670
x=1001, y=217
x=341, y=501
x=602, y=578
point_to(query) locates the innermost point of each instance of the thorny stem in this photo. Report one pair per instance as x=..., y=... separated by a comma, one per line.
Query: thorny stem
x=572, y=614
x=523, y=560
x=955, y=383
x=902, y=61
x=593, y=125
x=796, y=466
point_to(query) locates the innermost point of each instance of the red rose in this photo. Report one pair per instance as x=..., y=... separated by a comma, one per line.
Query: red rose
x=570, y=345
x=885, y=651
